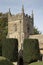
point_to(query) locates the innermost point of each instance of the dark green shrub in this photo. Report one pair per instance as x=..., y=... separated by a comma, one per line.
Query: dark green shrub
x=31, y=51
x=4, y=61
x=0, y=48
x=10, y=49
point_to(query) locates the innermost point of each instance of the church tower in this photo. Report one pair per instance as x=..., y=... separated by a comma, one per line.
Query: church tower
x=20, y=26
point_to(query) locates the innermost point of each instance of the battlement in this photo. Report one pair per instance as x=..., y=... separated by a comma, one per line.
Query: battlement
x=19, y=16
x=16, y=17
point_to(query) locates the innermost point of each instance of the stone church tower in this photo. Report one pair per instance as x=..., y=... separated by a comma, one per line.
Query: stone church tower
x=20, y=26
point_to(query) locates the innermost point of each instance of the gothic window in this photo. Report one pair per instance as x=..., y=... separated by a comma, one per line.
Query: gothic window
x=27, y=28
x=15, y=27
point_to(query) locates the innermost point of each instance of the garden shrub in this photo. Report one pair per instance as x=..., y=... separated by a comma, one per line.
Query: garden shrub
x=36, y=63
x=10, y=49
x=31, y=51
x=5, y=61
x=0, y=48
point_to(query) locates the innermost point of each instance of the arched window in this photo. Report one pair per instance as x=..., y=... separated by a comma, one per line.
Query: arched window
x=27, y=28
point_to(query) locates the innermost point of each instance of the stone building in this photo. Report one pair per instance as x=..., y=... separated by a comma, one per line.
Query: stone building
x=20, y=26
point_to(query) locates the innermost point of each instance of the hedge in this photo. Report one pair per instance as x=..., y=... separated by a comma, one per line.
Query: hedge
x=10, y=49
x=31, y=51
x=5, y=61
x=0, y=48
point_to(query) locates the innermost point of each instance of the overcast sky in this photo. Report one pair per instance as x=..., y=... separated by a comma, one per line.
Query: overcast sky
x=29, y=5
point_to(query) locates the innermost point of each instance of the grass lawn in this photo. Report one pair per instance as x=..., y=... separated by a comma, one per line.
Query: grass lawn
x=36, y=63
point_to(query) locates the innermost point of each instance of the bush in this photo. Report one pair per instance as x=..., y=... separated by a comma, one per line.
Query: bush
x=4, y=61
x=31, y=51
x=0, y=48
x=10, y=49
x=36, y=63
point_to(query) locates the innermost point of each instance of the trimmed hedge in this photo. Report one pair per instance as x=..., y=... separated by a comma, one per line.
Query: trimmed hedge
x=31, y=51
x=4, y=61
x=10, y=49
x=0, y=48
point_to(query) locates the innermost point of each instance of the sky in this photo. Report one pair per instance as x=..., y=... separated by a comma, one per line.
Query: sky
x=29, y=5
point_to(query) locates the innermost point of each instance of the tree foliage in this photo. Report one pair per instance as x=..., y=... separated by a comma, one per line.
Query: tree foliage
x=3, y=26
x=36, y=31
